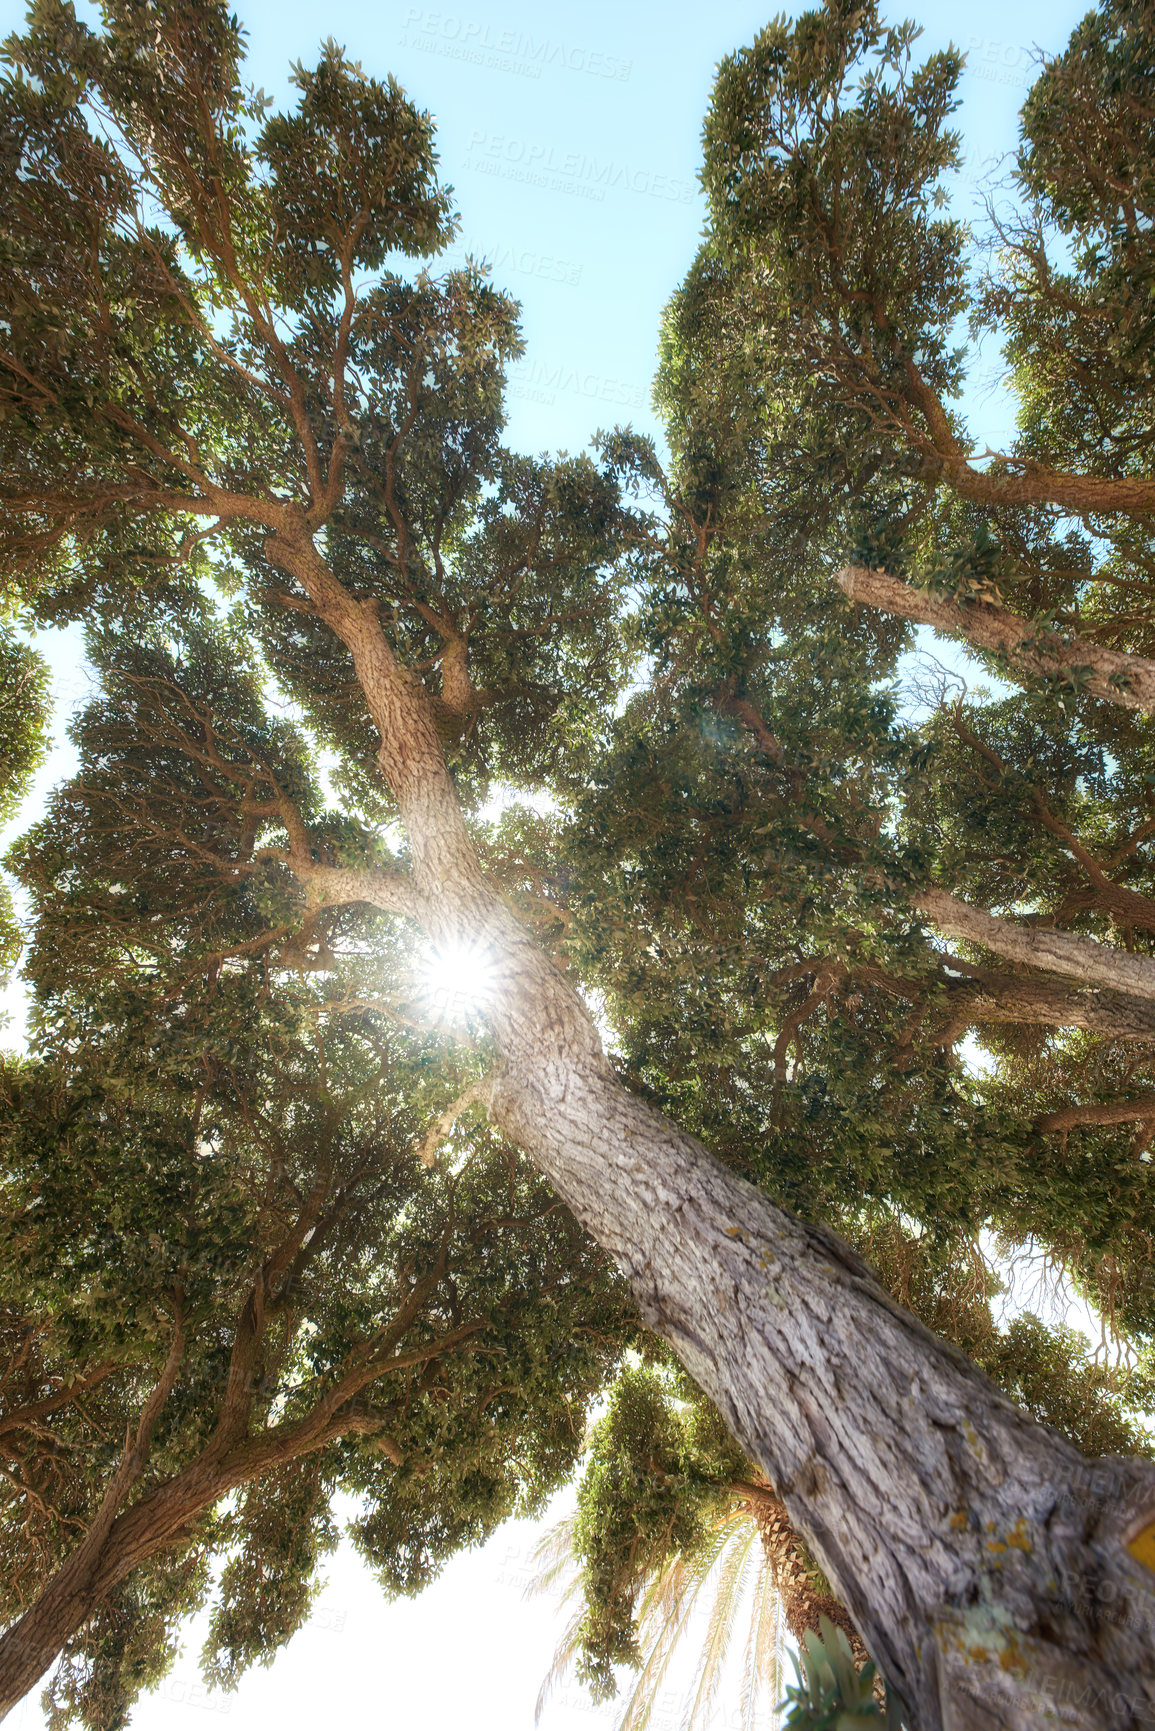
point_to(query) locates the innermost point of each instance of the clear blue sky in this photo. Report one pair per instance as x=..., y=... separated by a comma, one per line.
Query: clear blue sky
x=571, y=134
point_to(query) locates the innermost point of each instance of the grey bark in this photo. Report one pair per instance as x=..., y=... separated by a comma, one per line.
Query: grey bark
x=1039, y=946
x=1125, y=679
x=983, y=1561
x=1000, y=998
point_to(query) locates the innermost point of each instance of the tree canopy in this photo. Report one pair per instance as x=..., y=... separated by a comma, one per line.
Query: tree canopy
x=255, y=1225
x=221, y=1241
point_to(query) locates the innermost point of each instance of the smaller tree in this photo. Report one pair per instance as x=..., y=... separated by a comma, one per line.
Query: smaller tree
x=285, y=1305
x=244, y=1268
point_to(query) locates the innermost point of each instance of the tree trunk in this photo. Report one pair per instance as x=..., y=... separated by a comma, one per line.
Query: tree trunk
x=984, y=1561
x=985, y=1564
x=1125, y=679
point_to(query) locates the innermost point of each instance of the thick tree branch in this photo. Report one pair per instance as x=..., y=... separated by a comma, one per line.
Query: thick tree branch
x=1018, y=480
x=1038, y=946
x=343, y=886
x=1106, y=1112
x=1029, y=483
x=1128, y=680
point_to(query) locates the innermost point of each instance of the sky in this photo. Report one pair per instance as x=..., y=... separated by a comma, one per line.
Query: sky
x=571, y=133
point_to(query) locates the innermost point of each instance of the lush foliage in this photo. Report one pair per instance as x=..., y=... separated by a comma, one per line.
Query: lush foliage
x=789, y=783
x=228, y=1199
x=220, y=1239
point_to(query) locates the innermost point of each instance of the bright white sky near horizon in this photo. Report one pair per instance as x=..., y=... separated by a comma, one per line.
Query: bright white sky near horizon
x=520, y=132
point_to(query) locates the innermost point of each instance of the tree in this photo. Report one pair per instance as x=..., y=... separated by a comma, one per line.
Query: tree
x=221, y=1246
x=279, y=1381
x=200, y=380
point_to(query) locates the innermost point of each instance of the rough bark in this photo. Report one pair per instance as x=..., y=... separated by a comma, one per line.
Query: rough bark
x=1106, y=1112
x=1125, y=679
x=990, y=997
x=987, y=1581
x=976, y=994
x=1126, y=906
x=991, y=1584
x=30, y=1645
x=1042, y=947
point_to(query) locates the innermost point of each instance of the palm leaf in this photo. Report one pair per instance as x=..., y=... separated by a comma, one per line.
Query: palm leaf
x=727, y=1571
x=762, y=1667
x=732, y=1570
x=553, y=1559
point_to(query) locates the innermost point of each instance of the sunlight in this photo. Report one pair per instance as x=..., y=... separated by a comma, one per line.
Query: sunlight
x=457, y=981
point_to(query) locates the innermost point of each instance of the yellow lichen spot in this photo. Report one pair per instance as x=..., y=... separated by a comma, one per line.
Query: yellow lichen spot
x=733, y=1232
x=979, y=1655
x=1010, y=1659
x=959, y=1520
x=1142, y=1546
x=1018, y=1536
x=995, y=1545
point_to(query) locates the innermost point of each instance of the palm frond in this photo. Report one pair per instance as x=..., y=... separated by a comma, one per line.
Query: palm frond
x=553, y=1559
x=673, y=1604
x=732, y=1570
x=564, y=1655
x=762, y=1664
x=728, y=1571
